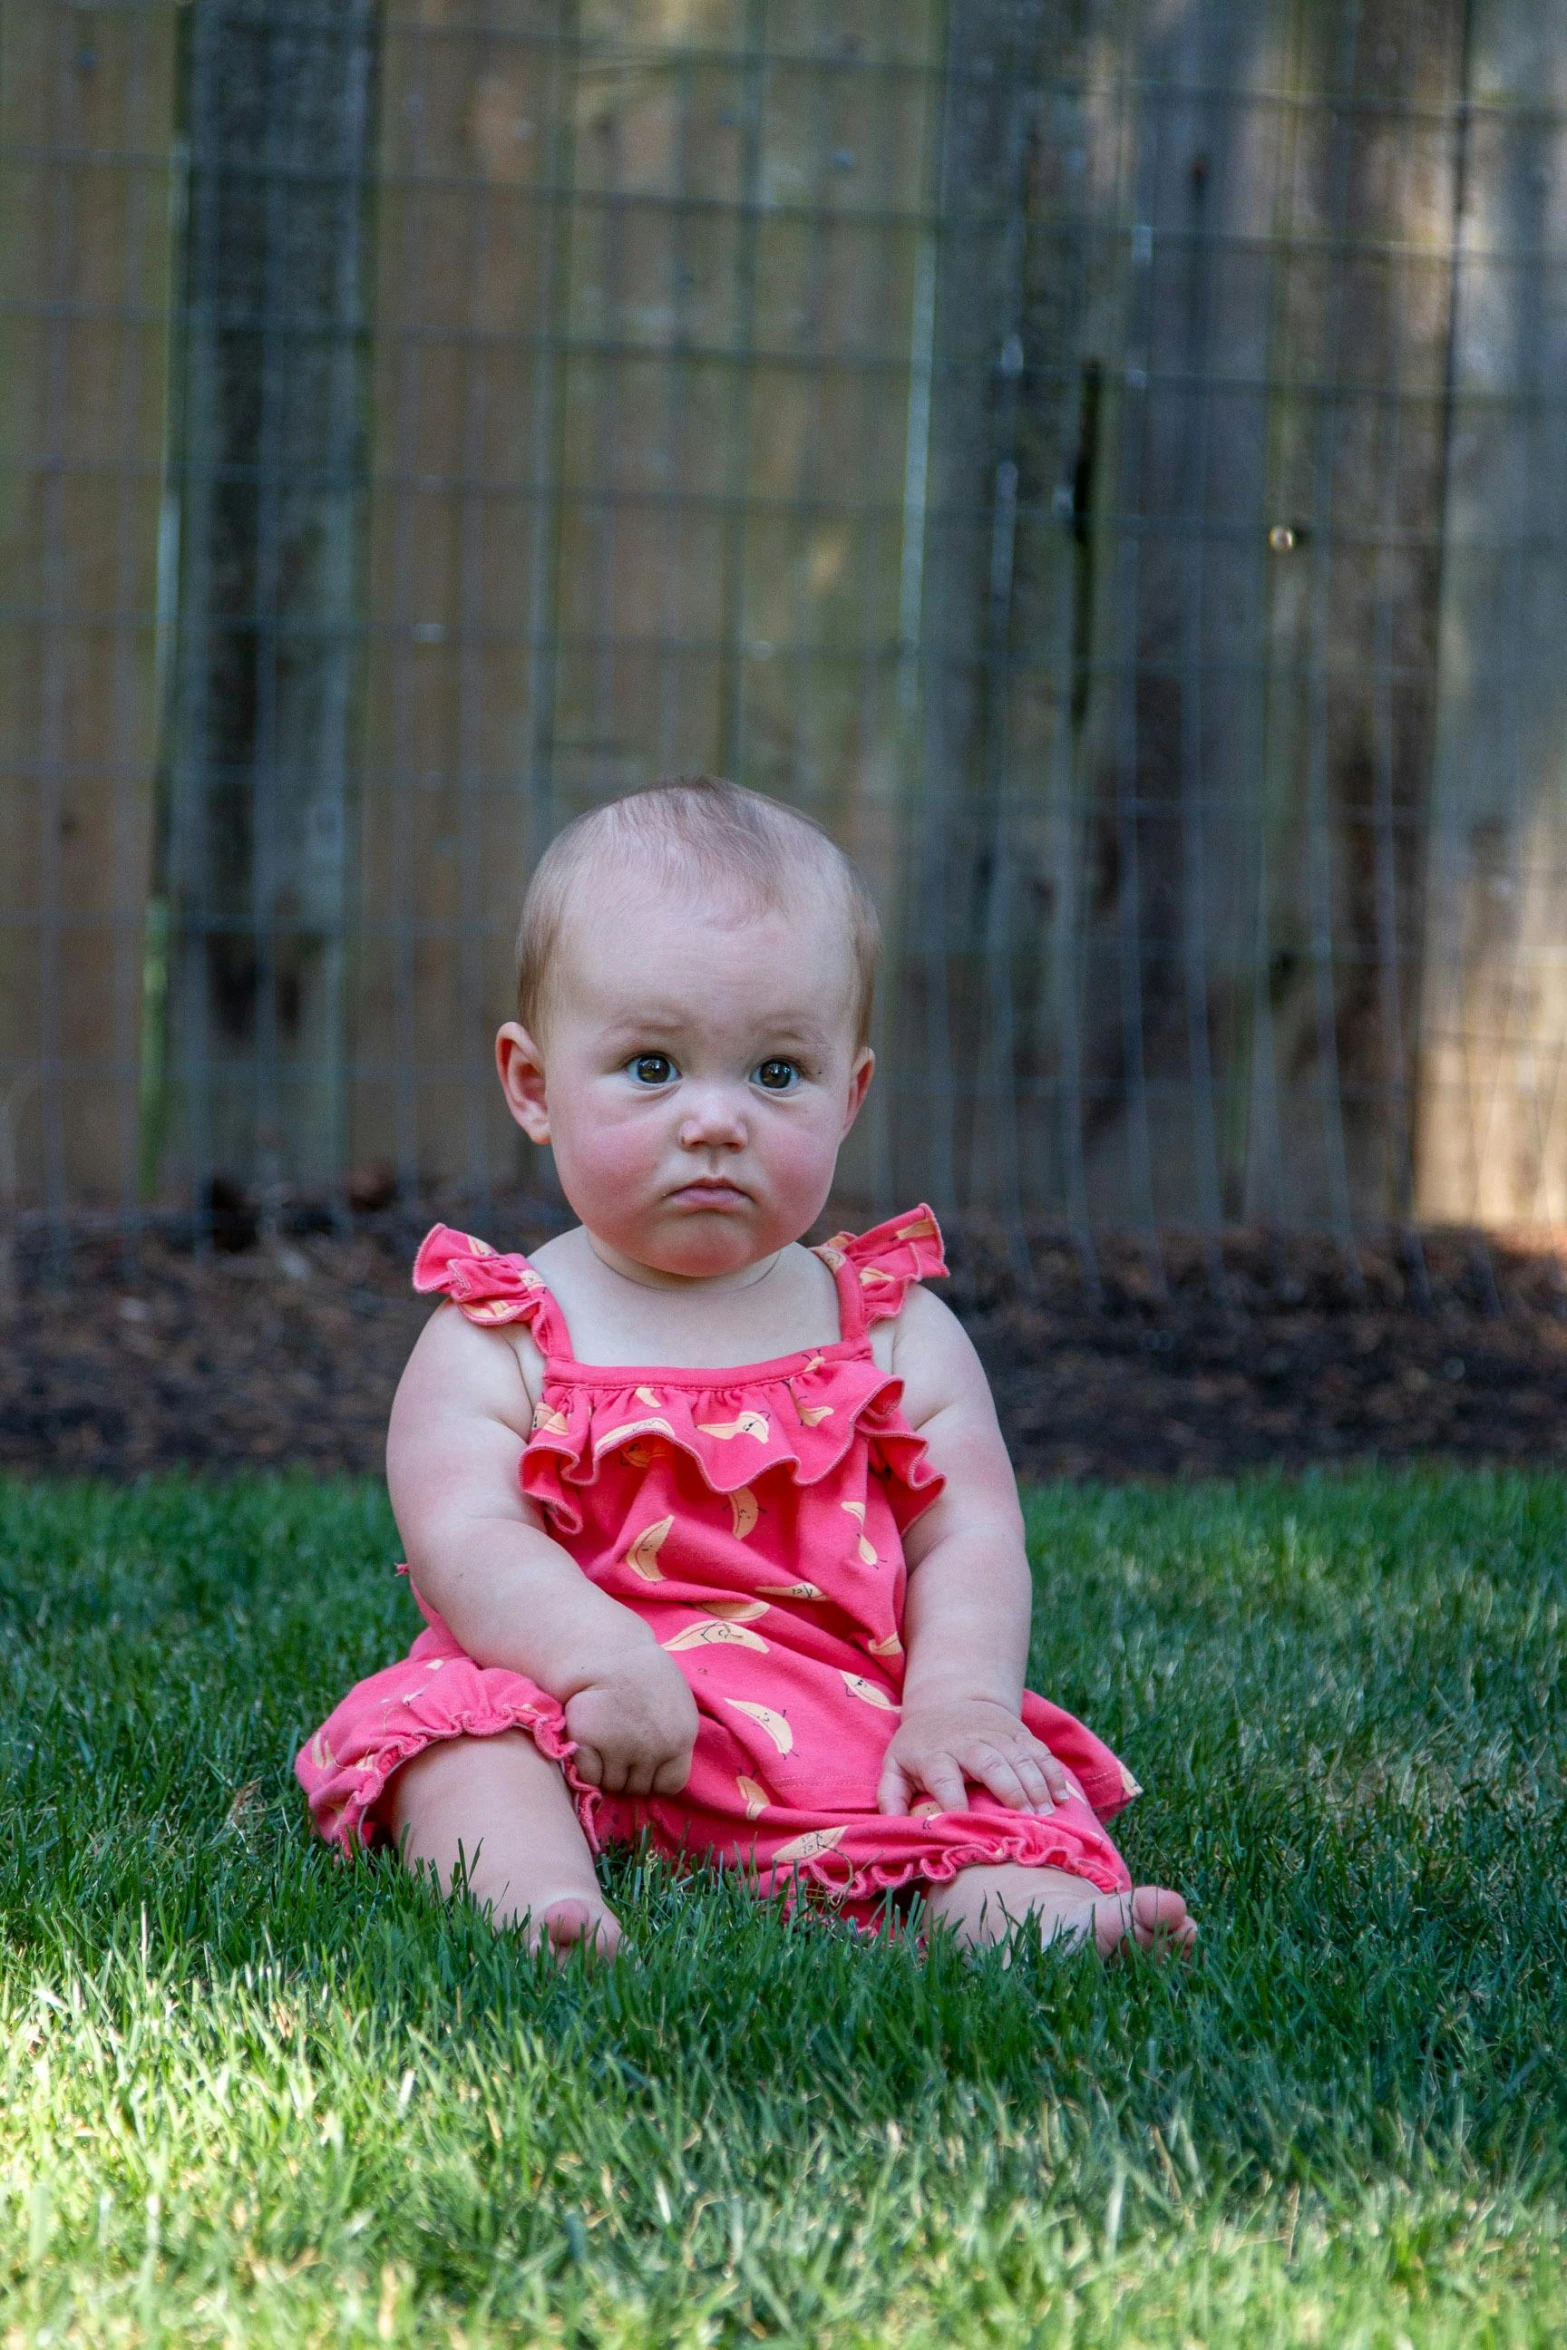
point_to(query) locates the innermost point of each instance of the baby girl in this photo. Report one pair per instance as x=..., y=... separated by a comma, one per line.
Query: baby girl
x=714, y=1534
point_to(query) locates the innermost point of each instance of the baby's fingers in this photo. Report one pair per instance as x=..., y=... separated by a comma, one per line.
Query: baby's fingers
x=941, y=1775
x=1001, y=1775
x=1058, y=1779
x=903, y=1783
x=671, y=1776
x=1043, y=1780
x=1024, y=1778
x=895, y=1790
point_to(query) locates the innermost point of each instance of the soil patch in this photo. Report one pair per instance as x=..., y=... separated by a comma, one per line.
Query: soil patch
x=1188, y=1359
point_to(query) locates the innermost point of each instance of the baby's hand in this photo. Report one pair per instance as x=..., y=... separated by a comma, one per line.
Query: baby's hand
x=635, y=1726
x=939, y=1746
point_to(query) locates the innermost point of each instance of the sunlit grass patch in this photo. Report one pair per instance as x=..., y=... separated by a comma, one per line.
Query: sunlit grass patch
x=250, y=2095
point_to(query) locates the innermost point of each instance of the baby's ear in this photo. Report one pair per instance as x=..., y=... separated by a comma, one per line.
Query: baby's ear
x=860, y=1075
x=521, y=1067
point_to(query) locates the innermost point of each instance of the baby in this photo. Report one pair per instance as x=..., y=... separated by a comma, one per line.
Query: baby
x=714, y=1534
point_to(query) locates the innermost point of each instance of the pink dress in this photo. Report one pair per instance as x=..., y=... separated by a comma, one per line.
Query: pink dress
x=754, y=1518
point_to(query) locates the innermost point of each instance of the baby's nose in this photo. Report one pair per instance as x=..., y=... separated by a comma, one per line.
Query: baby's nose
x=716, y=1114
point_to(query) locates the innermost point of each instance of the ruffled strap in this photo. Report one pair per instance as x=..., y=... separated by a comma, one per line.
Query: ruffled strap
x=875, y=1270
x=488, y=1287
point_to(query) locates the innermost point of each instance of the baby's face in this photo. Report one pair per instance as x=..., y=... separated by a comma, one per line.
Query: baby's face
x=698, y=1074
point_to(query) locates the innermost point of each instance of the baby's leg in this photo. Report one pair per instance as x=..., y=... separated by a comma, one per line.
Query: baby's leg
x=504, y=1811
x=982, y=1905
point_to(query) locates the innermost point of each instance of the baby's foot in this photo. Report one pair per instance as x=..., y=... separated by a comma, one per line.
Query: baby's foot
x=983, y=1905
x=492, y=1816
x=570, y=1922
x=1156, y=1919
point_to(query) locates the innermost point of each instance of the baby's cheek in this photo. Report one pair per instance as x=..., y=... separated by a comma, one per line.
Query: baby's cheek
x=600, y=1155
x=800, y=1161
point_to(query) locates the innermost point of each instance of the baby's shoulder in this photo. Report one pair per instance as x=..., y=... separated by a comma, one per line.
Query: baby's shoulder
x=462, y=1361
x=923, y=1321
x=557, y=1253
x=927, y=1347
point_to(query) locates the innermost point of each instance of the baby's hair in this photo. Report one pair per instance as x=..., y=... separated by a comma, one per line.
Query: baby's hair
x=702, y=829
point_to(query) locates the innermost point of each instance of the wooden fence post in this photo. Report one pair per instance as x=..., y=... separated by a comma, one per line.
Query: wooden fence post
x=1182, y=593
x=280, y=110
x=86, y=100
x=1493, y=1105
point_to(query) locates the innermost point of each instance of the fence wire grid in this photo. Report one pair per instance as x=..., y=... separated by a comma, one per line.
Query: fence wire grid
x=1103, y=459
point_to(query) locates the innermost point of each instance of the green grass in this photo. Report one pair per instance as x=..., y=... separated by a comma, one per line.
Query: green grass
x=249, y=2094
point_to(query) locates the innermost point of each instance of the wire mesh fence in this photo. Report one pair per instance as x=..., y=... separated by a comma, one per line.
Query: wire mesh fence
x=1103, y=459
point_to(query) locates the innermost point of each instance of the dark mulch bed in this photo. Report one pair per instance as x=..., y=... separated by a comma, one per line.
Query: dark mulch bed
x=1211, y=1359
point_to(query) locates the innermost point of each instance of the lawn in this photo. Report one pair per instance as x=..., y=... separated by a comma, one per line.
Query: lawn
x=251, y=2095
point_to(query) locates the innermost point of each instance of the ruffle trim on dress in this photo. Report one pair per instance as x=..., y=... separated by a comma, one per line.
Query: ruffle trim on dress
x=345, y=1788
x=1095, y=1860
x=489, y=1287
x=801, y=1414
x=802, y=1423
x=437, y=1693
x=889, y=1259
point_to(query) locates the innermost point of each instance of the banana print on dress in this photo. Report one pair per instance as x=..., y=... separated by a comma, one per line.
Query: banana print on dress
x=645, y=1452
x=743, y=1424
x=715, y=1635
x=868, y=1554
x=642, y=1557
x=618, y=1436
x=775, y=1724
x=806, y=1847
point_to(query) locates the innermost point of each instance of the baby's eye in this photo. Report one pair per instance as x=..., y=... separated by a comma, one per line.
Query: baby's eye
x=777, y=1076
x=651, y=1069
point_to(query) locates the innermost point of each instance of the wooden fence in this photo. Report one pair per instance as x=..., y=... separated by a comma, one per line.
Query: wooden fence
x=1105, y=460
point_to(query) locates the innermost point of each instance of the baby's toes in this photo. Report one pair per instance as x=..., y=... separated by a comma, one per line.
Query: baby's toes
x=1160, y=1919
x=565, y=1926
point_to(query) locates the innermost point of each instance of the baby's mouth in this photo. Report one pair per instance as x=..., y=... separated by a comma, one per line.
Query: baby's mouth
x=709, y=1191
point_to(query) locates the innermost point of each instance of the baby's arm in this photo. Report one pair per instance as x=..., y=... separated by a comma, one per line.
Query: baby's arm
x=479, y=1554
x=969, y=1591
